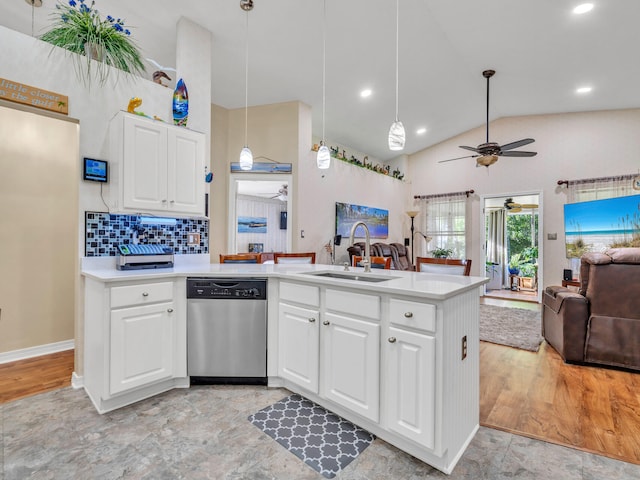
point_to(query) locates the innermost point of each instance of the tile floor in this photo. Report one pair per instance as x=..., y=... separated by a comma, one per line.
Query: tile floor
x=203, y=433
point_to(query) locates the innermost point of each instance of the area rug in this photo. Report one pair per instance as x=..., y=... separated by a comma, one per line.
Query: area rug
x=321, y=439
x=514, y=327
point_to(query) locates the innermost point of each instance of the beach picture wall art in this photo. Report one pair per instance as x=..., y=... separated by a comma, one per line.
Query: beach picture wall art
x=376, y=219
x=252, y=224
x=596, y=225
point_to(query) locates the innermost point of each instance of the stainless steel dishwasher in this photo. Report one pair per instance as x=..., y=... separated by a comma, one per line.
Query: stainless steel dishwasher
x=227, y=330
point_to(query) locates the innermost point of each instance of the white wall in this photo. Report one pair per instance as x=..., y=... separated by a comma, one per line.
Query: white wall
x=570, y=146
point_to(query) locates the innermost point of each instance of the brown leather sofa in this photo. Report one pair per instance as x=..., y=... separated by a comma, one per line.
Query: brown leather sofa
x=601, y=323
x=397, y=252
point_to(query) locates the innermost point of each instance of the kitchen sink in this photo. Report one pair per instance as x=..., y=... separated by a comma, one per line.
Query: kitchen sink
x=357, y=277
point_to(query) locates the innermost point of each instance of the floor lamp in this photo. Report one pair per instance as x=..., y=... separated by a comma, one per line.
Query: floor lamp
x=412, y=214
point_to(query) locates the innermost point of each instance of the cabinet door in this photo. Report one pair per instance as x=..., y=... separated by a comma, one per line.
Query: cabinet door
x=350, y=361
x=185, y=171
x=298, y=346
x=142, y=346
x=410, y=380
x=144, y=164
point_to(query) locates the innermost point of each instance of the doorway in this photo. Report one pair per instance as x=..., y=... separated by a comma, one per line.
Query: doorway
x=264, y=201
x=512, y=245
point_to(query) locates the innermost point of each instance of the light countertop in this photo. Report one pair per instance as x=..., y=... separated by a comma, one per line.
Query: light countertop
x=423, y=285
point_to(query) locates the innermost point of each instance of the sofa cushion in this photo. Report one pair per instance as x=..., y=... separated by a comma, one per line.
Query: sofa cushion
x=613, y=341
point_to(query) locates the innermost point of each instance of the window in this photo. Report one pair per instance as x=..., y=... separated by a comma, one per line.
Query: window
x=445, y=218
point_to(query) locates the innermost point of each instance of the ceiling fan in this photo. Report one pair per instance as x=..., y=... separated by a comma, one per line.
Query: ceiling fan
x=283, y=193
x=487, y=153
x=511, y=206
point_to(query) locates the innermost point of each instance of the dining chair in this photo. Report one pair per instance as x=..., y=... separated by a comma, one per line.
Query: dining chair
x=308, y=257
x=376, y=262
x=241, y=258
x=447, y=266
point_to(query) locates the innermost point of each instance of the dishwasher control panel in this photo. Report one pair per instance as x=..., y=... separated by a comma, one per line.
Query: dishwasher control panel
x=227, y=288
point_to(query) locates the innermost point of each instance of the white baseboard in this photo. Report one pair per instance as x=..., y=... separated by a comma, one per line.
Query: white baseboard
x=24, y=353
x=77, y=381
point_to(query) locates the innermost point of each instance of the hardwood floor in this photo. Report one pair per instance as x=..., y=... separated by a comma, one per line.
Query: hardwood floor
x=35, y=375
x=532, y=394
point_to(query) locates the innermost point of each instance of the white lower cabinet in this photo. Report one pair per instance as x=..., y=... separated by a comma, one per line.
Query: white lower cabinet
x=135, y=340
x=298, y=345
x=350, y=363
x=410, y=376
x=141, y=346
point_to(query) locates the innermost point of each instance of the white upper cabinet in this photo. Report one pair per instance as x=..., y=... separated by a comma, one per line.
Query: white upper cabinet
x=157, y=167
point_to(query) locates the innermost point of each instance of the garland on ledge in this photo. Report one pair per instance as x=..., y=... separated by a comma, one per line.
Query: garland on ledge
x=381, y=169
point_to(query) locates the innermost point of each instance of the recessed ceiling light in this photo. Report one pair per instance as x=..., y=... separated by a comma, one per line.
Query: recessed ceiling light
x=583, y=90
x=421, y=131
x=583, y=8
x=366, y=93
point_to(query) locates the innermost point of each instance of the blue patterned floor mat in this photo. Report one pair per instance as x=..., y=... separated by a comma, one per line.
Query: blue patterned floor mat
x=321, y=439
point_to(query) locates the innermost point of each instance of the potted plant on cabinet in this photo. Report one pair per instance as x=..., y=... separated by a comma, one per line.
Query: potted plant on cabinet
x=99, y=42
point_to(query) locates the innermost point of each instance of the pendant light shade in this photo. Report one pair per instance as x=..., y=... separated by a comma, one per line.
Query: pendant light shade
x=396, y=131
x=396, y=136
x=323, y=159
x=246, y=159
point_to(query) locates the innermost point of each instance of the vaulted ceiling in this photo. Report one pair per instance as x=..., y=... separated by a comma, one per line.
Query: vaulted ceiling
x=542, y=53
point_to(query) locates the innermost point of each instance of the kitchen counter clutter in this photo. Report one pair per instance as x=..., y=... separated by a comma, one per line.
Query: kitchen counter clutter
x=395, y=352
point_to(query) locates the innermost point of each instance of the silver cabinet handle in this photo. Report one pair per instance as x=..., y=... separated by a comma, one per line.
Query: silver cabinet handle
x=326, y=322
x=170, y=310
x=311, y=320
x=145, y=294
x=408, y=314
x=172, y=201
x=164, y=200
x=392, y=339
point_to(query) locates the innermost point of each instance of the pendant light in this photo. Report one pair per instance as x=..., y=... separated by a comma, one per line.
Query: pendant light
x=246, y=157
x=323, y=160
x=396, y=132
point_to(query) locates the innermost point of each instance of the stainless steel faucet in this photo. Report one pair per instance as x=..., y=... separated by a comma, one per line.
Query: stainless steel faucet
x=366, y=262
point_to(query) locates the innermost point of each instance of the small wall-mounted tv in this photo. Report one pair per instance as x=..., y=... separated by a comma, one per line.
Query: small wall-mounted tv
x=596, y=225
x=95, y=170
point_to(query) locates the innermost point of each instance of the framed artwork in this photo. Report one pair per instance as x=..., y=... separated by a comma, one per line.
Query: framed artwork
x=252, y=224
x=596, y=225
x=262, y=167
x=256, y=247
x=376, y=219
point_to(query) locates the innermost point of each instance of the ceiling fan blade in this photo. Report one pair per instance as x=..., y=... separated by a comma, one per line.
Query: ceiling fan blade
x=519, y=143
x=473, y=149
x=457, y=158
x=518, y=154
x=528, y=205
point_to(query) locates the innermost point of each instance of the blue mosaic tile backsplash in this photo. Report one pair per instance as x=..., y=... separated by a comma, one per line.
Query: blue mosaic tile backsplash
x=105, y=231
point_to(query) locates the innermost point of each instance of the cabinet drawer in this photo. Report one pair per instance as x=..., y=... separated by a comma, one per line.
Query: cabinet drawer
x=129, y=295
x=305, y=294
x=355, y=303
x=421, y=316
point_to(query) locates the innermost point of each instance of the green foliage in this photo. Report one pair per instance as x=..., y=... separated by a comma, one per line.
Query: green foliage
x=519, y=229
x=78, y=27
x=515, y=261
x=528, y=270
x=441, y=252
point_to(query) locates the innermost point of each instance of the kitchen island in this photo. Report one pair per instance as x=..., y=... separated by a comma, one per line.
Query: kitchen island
x=394, y=352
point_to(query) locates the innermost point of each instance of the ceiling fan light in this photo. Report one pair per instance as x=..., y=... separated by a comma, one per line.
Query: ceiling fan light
x=323, y=160
x=246, y=159
x=397, y=136
x=486, y=160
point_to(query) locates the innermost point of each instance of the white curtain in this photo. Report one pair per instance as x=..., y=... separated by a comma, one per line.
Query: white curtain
x=443, y=218
x=599, y=188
